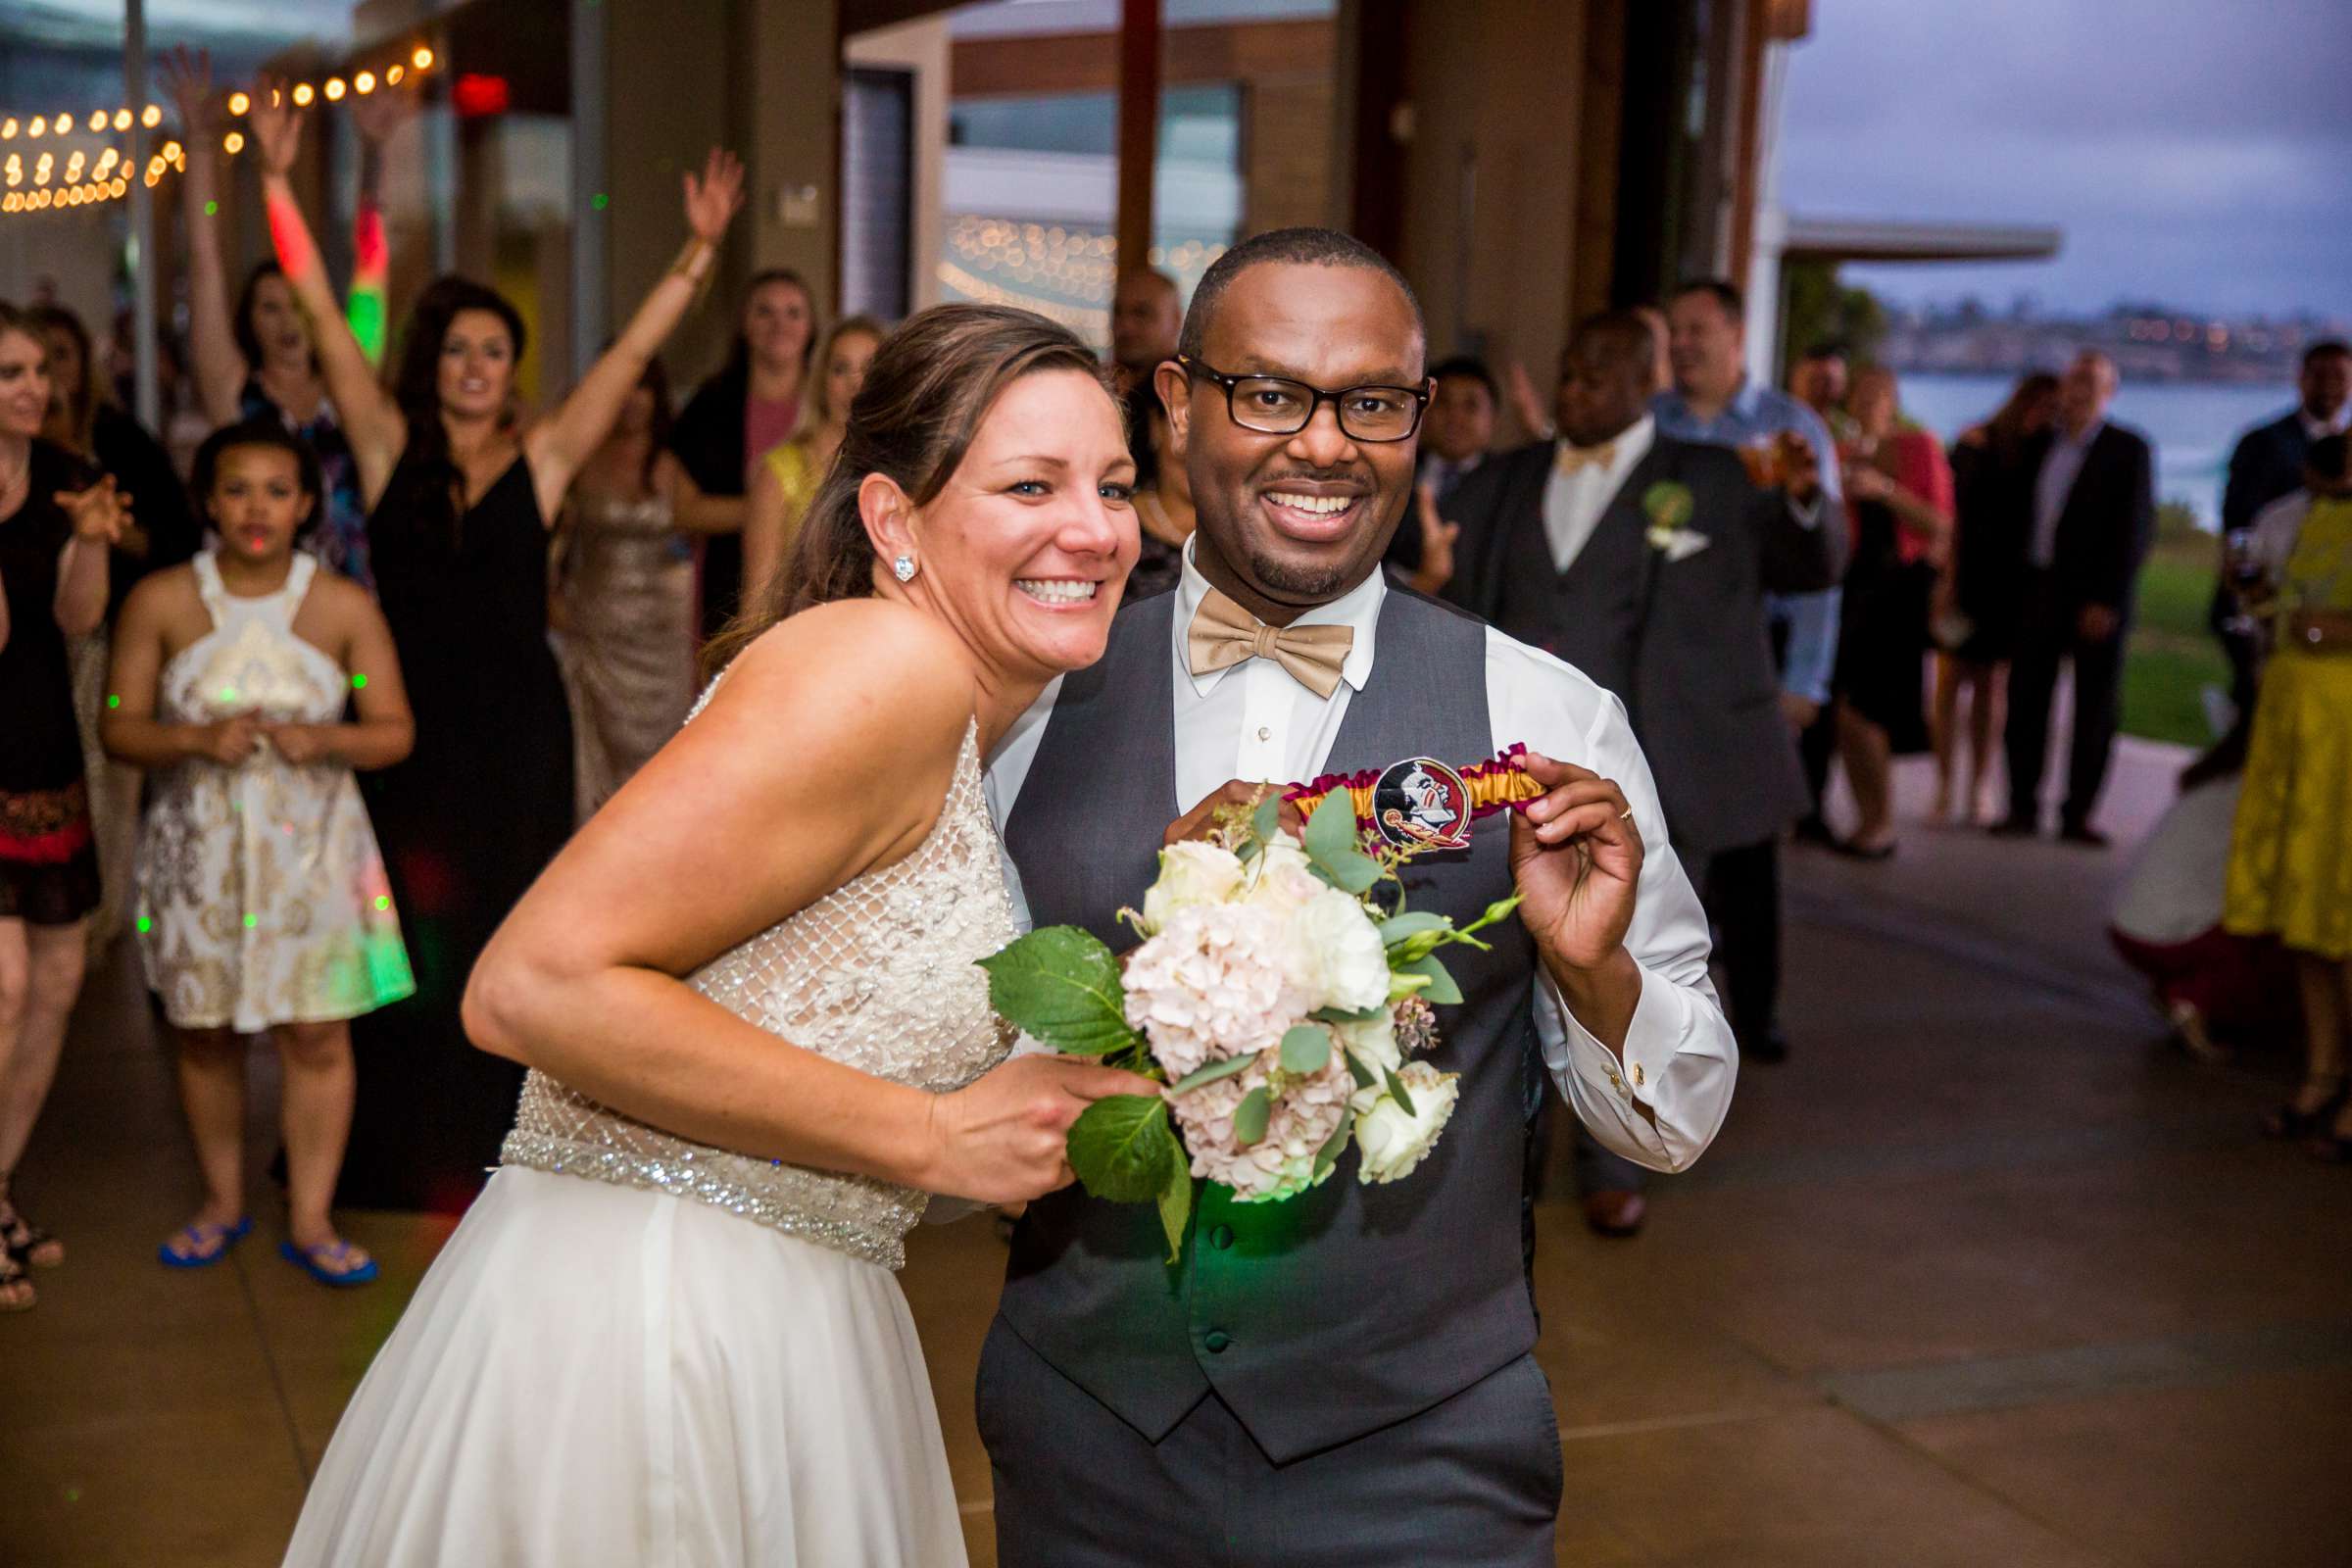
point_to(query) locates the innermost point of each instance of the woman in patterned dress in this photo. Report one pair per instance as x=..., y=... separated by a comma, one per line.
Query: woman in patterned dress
x=263, y=906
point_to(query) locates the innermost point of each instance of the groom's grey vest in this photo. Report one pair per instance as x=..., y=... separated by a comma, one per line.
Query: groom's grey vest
x=1350, y=1307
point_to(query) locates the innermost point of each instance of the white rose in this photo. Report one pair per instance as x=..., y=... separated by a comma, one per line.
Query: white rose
x=1372, y=1041
x=1393, y=1142
x=1338, y=958
x=1191, y=874
x=1280, y=878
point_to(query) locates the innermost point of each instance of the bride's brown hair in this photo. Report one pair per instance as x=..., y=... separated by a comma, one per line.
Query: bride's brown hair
x=930, y=385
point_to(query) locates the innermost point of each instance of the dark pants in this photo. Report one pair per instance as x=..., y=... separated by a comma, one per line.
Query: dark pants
x=2048, y=637
x=1472, y=1483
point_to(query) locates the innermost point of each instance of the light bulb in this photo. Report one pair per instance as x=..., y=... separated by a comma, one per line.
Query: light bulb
x=240, y=103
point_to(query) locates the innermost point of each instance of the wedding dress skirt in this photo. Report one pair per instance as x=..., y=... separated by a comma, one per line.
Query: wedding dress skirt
x=599, y=1374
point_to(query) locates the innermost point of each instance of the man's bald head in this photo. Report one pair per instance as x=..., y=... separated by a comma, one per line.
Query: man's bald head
x=1145, y=316
x=1302, y=247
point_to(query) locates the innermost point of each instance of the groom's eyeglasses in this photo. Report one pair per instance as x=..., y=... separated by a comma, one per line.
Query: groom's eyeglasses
x=1274, y=405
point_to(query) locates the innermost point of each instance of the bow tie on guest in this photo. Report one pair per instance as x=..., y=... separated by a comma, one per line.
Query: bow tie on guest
x=1573, y=460
x=1223, y=634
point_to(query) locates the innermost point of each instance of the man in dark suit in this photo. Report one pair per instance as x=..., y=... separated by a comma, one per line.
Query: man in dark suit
x=2095, y=516
x=1643, y=561
x=2269, y=464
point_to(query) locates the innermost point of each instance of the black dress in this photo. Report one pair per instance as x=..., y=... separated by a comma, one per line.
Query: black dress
x=1993, y=496
x=48, y=853
x=467, y=821
x=166, y=532
x=1882, y=632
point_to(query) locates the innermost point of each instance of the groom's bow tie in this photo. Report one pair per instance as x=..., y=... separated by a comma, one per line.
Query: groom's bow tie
x=1574, y=460
x=1223, y=634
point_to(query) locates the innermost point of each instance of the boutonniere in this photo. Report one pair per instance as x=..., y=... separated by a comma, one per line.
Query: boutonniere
x=1669, y=507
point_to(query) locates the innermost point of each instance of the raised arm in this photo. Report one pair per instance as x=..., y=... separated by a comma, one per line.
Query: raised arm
x=370, y=420
x=220, y=369
x=693, y=508
x=584, y=978
x=100, y=513
x=560, y=444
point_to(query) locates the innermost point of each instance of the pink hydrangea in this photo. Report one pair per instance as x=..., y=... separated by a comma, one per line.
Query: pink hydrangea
x=1306, y=1113
x=1212, y=985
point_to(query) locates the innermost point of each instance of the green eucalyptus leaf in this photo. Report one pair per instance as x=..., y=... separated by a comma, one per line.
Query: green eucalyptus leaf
x=1120, y=1146
x=1358, y=1071
x=1441, y=989
x=1306, y=1049
x=1331, y=831
x=1333, y=1147
x=1350, y=871
x=1398, y=1091
x=1249, y=1117
x=1265, y=824
x=1176, y=1198
x=1343, y=1015
x=1061, y=984
x=1397, y=927
x=1210, y=1073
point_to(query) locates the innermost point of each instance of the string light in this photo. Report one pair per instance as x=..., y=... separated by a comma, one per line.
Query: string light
x=8, y=128
x=393, y=75
x=151, y=117
x=239, y=101
x=97, y=121
x=363, y=82
x=334, y=89
x=122, y=120
x=39, y=126
x=233, y=143
x=303, y=92
x=422, y=59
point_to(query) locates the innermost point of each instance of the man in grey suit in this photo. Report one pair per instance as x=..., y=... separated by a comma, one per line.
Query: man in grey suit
x=1563, y=546
x=1346, y=1375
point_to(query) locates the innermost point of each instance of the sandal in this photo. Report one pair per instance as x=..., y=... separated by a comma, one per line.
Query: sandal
x=16, y=1293
x=315, y=1261
x=200, y=1244
x=2288, y=1123
x=24, y=1240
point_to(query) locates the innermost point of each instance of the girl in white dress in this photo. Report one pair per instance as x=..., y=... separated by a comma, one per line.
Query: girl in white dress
x=667, y=1332
x=262, y=904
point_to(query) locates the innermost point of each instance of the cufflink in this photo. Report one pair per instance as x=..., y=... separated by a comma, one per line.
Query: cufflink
x=1638, y=1077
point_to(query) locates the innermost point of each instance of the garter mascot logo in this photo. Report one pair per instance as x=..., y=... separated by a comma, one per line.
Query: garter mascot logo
x=1422, y=803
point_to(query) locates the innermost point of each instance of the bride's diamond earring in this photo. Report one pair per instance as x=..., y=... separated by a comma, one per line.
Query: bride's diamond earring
x=904, y=568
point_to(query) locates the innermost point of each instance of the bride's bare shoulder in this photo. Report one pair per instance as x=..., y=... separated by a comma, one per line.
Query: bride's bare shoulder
x=854, y=673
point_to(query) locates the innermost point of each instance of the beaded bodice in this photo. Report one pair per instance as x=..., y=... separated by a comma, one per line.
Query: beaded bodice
x=881, y=975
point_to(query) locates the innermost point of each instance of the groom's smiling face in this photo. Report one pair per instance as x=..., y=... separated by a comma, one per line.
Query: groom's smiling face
x=1287, y=523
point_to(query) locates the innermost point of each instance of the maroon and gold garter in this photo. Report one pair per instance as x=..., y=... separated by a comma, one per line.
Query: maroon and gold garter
x=1421, y=803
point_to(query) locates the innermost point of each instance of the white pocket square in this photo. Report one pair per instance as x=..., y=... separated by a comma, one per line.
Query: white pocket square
x=1680, y=544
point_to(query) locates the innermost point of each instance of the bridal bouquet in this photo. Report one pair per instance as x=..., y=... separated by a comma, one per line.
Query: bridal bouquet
x=1282, y=994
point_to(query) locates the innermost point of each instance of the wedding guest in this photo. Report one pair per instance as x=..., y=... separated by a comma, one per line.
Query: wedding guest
x=256, y=361
x=1163, y=513
x=2290, y=856
x=1898, y=496
x=1456, y=435
x=624, y=598
x=748, y=407
x=2266, y=465
x=2095, y=516
x=1980, y=597
x=263, y=902
x=787, y=475
x=1788, y=448
x=460, y=504
x=57, y=519
x=1145, y=310
x=1821, y=379
x=1560, y=549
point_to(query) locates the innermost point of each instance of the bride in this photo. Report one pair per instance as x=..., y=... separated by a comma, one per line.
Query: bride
x=668, y=1331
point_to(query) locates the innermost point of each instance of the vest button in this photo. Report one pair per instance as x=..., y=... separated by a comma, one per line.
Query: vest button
x=1221, y=1237
x=1216, y=1341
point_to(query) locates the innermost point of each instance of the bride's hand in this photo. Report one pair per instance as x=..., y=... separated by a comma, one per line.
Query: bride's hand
x=1001, y=1138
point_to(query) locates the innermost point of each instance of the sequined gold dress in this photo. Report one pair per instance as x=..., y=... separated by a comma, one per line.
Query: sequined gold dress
x=638, y=1350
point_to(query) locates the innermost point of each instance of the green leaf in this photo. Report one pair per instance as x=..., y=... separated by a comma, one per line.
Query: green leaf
x=1441, y=989
x=1352, y=873
x=1343, y=1015
x=1266, y=821
x=1249, y=1117
x=1061, y=986
x=1397, y=1092
x=1358, y=1071
x=1210, y=1073
x=1397, y=927
x=1120, y=1146
x=1331, y=831
x=1306, y=1049
x=1333, y=1147
x=1176, y=1200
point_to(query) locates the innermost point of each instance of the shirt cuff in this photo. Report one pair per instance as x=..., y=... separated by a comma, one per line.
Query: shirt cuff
x=1622, y=1085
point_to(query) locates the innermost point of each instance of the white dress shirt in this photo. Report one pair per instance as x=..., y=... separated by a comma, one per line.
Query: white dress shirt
x=2056, y=481
x=1574, y=502
x=1255, y=721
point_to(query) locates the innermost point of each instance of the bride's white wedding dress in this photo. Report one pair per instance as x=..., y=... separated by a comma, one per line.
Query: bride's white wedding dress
x=642, y=1350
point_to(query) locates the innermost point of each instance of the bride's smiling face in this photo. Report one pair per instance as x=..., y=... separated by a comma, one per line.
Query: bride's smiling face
x=1026, y=547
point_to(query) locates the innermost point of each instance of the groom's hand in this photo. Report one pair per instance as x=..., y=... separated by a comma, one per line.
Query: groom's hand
x=1197, y=822
x=1576, y=856
x=1002, y=1138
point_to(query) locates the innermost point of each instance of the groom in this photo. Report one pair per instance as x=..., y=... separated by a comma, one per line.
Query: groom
x=1349, y=1371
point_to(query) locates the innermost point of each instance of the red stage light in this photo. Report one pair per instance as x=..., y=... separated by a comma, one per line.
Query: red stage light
x=475, y=96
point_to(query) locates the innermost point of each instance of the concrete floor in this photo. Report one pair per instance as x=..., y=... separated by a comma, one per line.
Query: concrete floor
x=1984, y=1275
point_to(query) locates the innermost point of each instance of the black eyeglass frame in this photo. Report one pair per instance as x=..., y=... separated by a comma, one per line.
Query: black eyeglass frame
x=1317, y=397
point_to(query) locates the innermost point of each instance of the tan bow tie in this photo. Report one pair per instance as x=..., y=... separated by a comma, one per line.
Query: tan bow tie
x=1574, y=460
x=1223, y=634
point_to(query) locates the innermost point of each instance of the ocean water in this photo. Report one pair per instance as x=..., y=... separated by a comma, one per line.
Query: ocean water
x=2192, y=424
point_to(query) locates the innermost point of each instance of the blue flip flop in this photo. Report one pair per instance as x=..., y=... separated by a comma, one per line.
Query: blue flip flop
x=204, y=1235
x=309, y=1260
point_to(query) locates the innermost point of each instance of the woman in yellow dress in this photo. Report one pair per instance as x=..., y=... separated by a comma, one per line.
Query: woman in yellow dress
x=787, y=473
x=2290, y=856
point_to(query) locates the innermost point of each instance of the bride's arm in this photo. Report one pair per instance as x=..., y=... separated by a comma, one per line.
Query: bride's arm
x=824, y=754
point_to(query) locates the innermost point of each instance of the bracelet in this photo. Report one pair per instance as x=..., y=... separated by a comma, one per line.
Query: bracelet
x=696, y=260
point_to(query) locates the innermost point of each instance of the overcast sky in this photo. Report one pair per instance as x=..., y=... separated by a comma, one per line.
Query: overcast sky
x=2198, y=151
